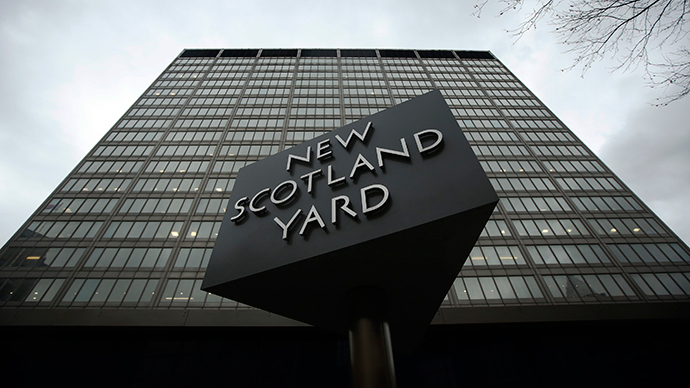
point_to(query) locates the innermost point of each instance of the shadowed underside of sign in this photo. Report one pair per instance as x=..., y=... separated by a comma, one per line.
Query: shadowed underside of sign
x=415, y=278
x=395, y=201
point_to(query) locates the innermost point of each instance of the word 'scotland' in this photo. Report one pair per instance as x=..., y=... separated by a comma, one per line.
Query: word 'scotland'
x=372, y=198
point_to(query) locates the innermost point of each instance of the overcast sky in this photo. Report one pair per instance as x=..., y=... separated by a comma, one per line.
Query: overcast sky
x=70, y=69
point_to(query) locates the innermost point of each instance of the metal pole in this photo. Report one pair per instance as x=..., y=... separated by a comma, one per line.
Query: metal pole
x=371, y=354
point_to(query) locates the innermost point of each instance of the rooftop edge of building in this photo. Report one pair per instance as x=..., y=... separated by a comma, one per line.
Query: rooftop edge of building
x=343, y=53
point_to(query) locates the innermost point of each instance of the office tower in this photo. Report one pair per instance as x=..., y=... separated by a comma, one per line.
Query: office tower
x=125, y=239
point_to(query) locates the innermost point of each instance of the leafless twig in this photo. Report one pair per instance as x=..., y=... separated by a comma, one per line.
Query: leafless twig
x=624, y=30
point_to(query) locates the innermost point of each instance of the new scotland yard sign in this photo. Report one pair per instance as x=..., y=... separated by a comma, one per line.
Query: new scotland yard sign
x=395, y=201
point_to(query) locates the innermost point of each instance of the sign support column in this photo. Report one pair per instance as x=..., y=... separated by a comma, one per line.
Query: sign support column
x=371, y=352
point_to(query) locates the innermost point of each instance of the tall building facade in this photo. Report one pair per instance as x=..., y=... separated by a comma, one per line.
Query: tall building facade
x=126, y=237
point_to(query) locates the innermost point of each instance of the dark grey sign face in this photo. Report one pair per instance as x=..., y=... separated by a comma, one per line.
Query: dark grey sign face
x=395, y=200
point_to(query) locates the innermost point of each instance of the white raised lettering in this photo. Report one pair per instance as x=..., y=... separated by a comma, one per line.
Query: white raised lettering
x=380, y=151
x=323, y=150
x=313, y=215
x=279, y=188
x=366, y=208
x=432, y=147
x=360, y=162
x=286, y=227
x=361, y=137
x=257, y=196
x=344, y=207
x=310, y=178
x=241, y=208
x=305, y=159
x=336, y=181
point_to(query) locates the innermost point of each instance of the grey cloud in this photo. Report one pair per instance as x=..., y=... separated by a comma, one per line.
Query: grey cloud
x=652, y=156
x=70, y=69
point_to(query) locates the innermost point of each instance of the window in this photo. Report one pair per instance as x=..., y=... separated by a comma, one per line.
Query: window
x=220, y=185
x=500, y=150
x=607, y=184
x=129, y=258
x=482, y=256
x=567, y=254
x=490, y=136
x=627, y=226
x=156, y=205
x=650, y=253
x=546, y=228
x=96, y=185
x=62, y=230
x=212, y=206
x=535, y=204
x=167, y=185
x=177, y=166
x=193, y=258
x=506, y=289
x=606, y=203
x=188, y=293
x=663, y=284
x=143, y=230
x=495, y=229
x=520, y=166
x=186, y=150
x=53, y=257
x=604, y=287
x=80, y=205
x=110, y=292
x=521, y=184
x=203, y=230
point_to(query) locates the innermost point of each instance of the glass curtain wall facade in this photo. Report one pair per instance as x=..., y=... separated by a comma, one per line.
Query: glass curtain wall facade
x=133, y=225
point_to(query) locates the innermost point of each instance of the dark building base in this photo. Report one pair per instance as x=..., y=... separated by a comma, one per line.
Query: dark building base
x=602, y=353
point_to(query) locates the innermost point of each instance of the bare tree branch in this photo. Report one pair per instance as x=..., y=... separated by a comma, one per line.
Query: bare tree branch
x=624, y=30
x=674, y=72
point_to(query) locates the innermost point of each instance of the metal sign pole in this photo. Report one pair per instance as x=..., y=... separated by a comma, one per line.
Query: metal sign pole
x=371, y=353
